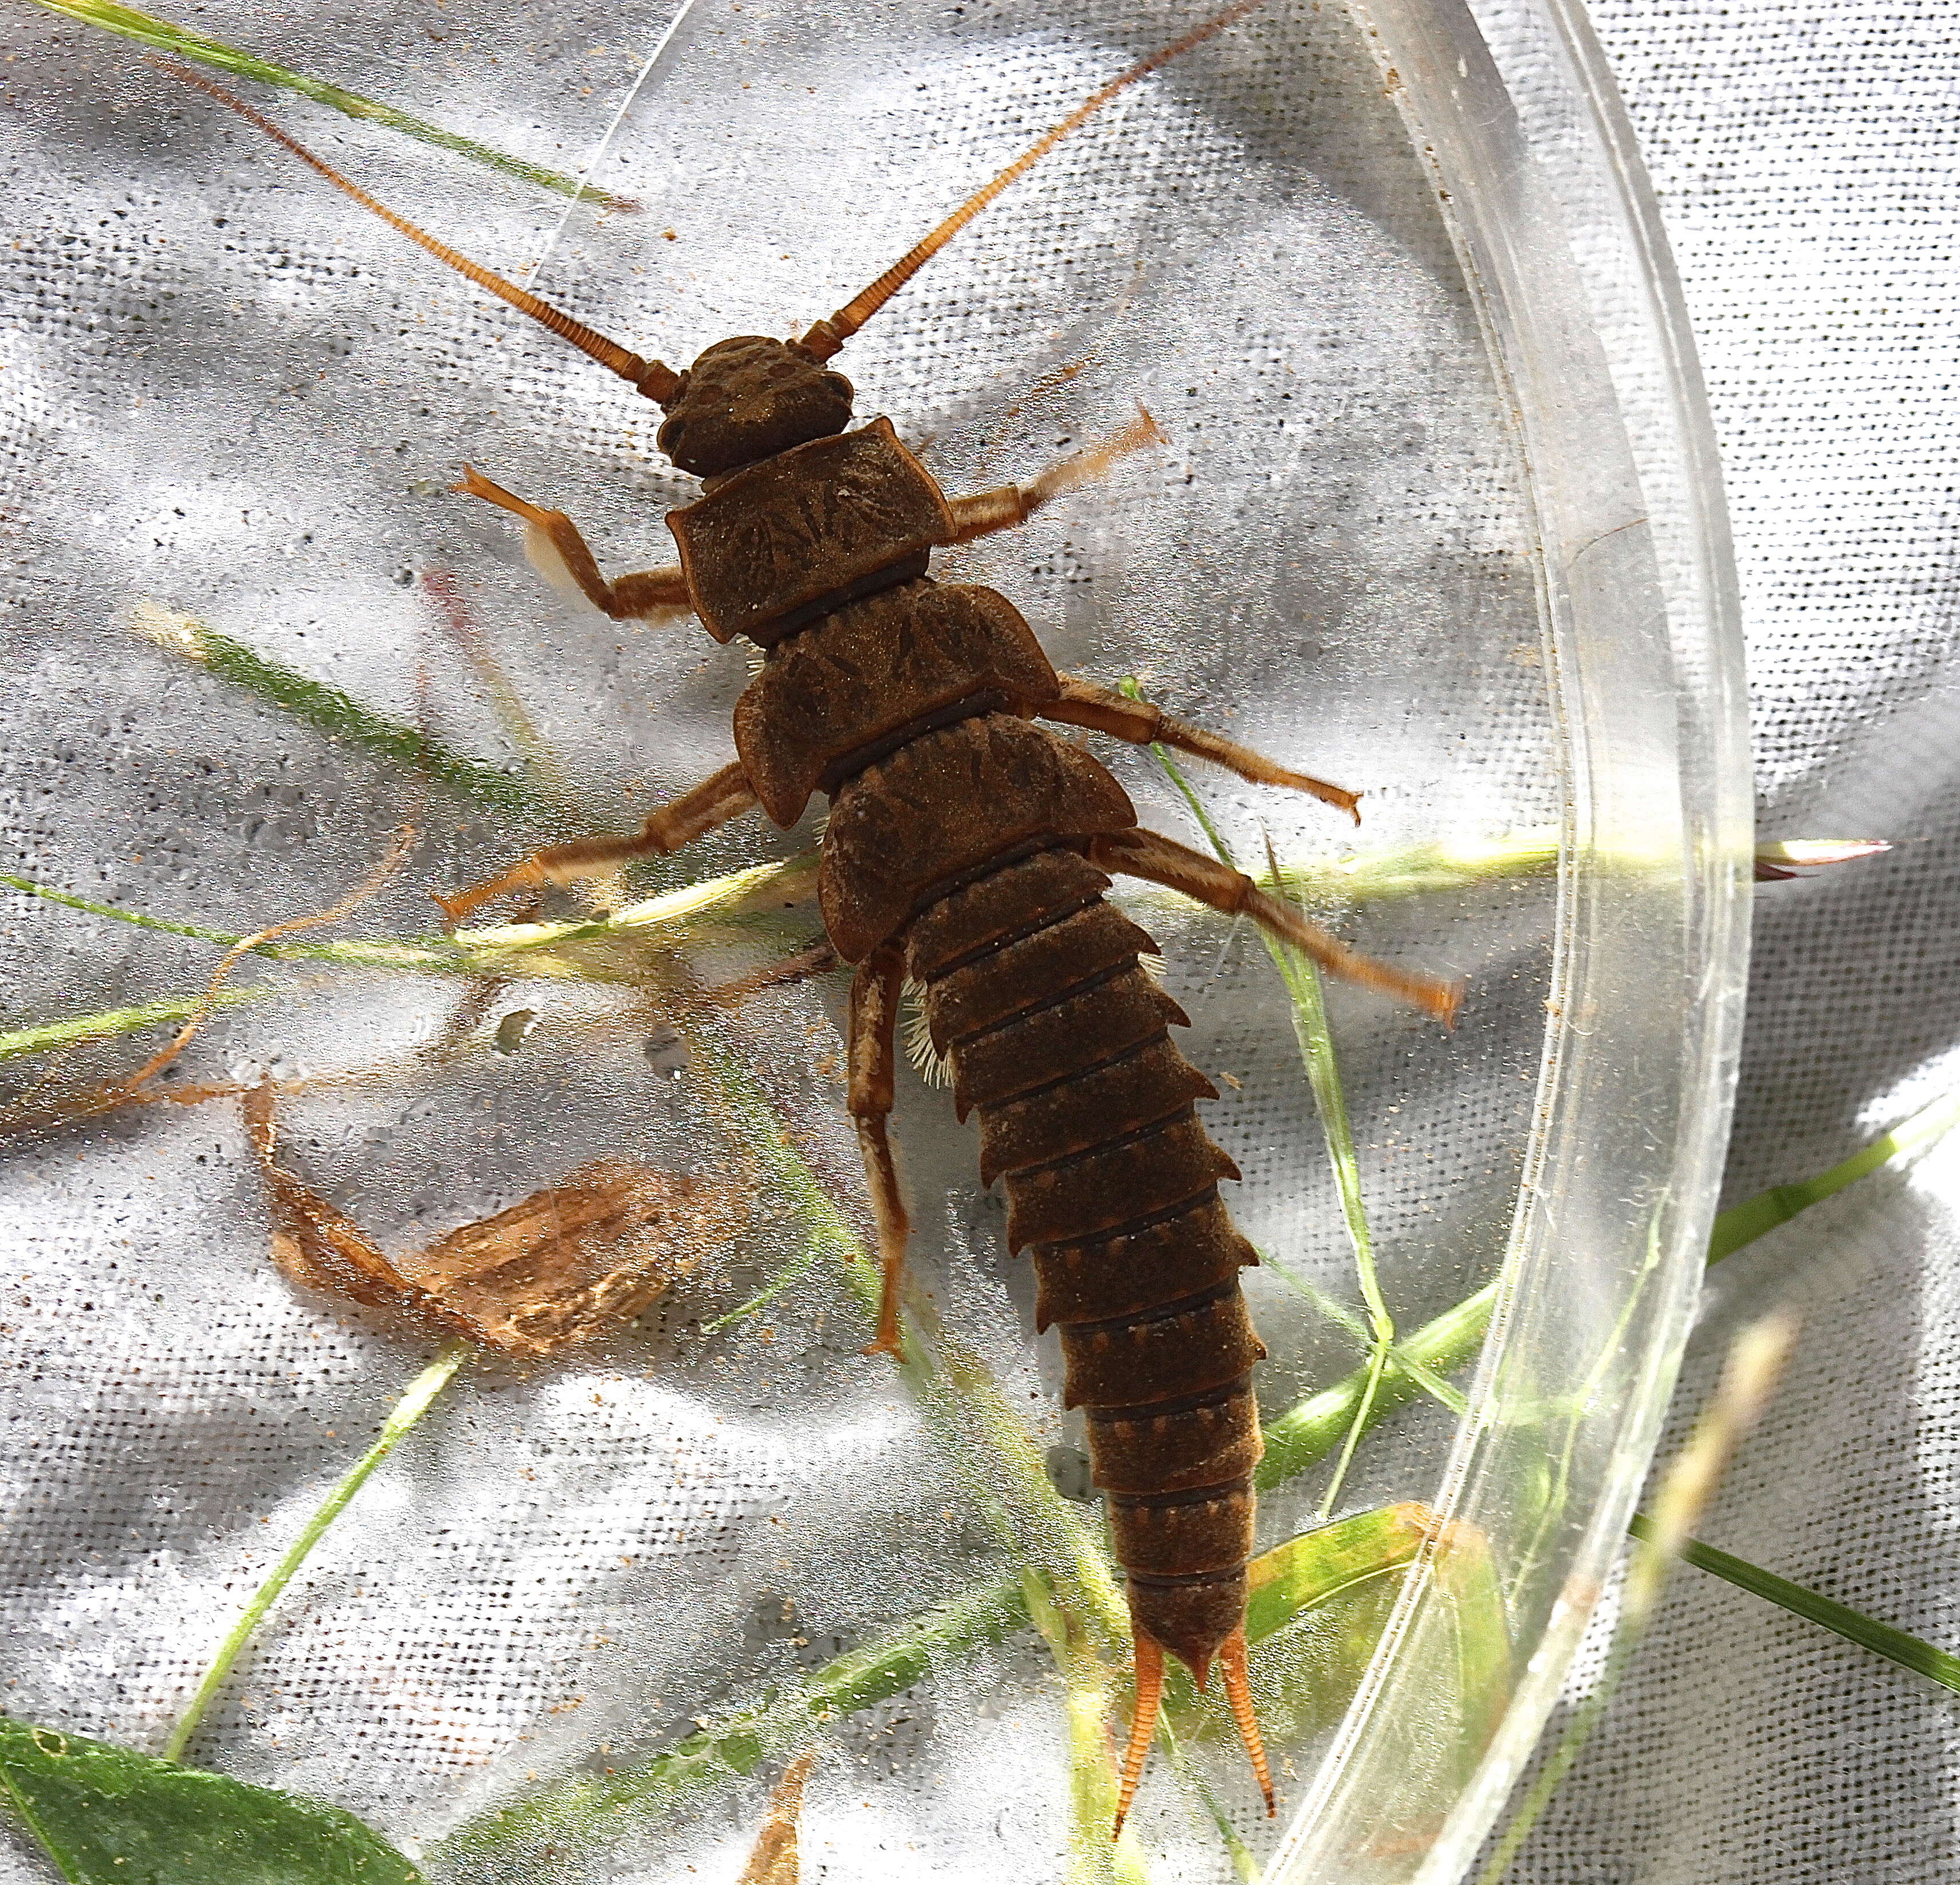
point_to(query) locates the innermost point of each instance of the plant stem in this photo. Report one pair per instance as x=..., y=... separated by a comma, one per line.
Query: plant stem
x=1316, y=1048
x=560, y=951
x=793, y=1271
x=1312, y=1428
x=47, y=1037
x=1338, y=1312
x=146, y=30
x=1362, y=1420
x=69, y=901
x=415, y=1402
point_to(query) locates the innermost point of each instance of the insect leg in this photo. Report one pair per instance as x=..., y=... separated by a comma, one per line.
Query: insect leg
x=1008, y=504
x=1160, y=860
x=874, y=1014
x=715, y=801
x=1083, y=704
x=818, y=958
x=557, y=552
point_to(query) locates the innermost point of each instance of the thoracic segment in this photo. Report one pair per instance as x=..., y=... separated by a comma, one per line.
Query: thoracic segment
x=849, y=689
x=1059, y=1041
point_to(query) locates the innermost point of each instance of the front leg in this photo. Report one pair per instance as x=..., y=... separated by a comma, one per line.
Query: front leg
x=1002, y=509
x=558, y=552
x=875, y=991
x=1083, y=704
x=715, y=801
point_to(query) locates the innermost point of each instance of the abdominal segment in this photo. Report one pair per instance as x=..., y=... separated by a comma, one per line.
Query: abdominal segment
x=1059, y=1043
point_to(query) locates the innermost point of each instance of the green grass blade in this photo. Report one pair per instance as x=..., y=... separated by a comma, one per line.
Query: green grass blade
x=69, y=901
x=1435, y=866
x=1316, y=1052
x=1343, y=1318
x=1311, y=1429
x=562, y=951
x=1881, y=1639
x=415, y=1401
x=984, y=1435
x=1802, y=854
x=329, y=710
x=1323, y=1073
x=165, y=37
x=792, y=1272
x=1092, y=1730
x=1745, y=1222
x=49, y=1036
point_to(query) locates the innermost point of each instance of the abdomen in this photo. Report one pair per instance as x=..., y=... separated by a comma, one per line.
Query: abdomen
x=1059, y=1041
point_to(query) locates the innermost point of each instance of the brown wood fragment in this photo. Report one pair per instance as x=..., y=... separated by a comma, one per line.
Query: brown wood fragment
x=775, y=1859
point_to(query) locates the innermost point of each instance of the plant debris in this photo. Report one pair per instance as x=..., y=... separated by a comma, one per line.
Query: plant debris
x=775, y=1859
x=556, y=1268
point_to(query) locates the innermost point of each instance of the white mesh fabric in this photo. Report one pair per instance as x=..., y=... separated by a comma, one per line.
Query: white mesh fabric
x=1804, y=157
x=248, y=411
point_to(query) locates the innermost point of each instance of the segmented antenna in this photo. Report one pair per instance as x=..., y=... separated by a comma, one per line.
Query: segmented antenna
x=652, y=378
x=827, y=336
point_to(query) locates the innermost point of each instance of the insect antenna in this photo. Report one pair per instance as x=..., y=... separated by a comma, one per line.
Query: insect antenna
x=652, y=378
x=827, y=336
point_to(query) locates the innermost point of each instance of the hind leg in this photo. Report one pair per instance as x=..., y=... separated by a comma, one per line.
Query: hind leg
x=875, y=992
x=1083, y=704
x=1160, y=860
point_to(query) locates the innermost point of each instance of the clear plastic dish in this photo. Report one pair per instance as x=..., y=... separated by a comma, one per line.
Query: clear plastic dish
x=1436, y=518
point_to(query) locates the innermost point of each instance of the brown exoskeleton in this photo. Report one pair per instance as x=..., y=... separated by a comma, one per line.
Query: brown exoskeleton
x=968, y=849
